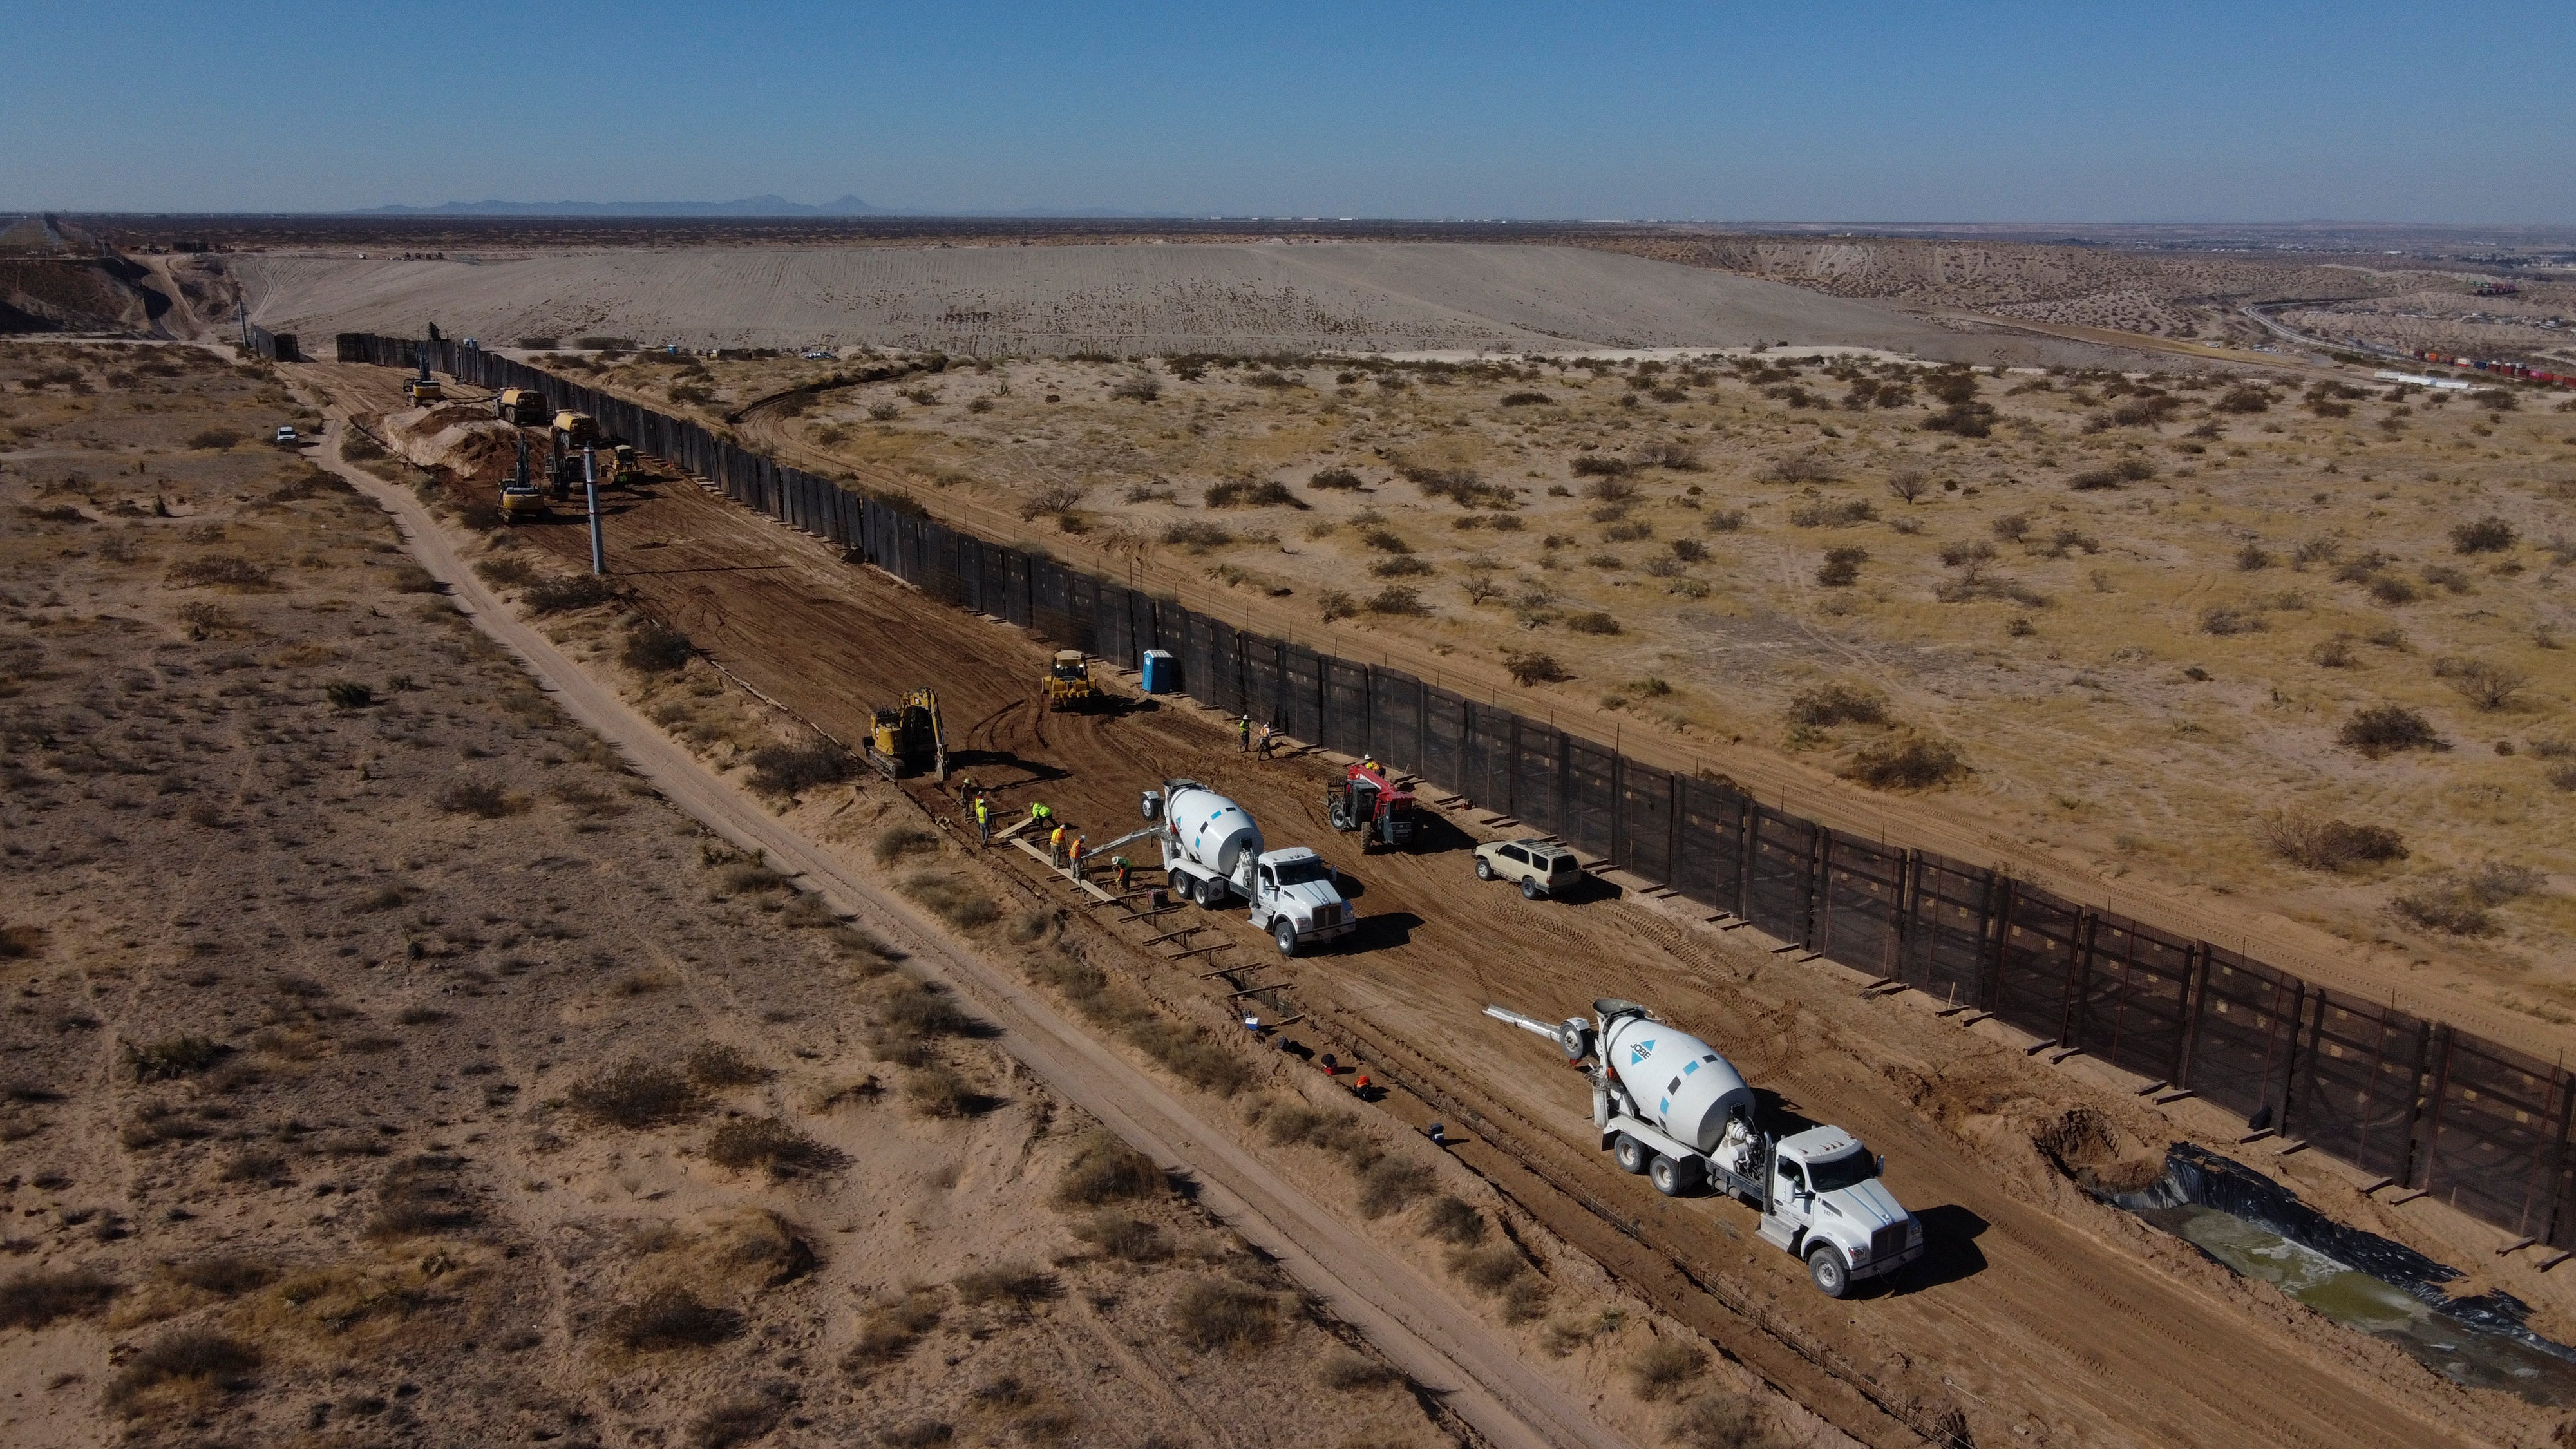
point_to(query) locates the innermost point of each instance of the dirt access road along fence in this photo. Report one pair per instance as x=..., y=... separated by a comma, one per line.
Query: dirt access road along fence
x=2482, y=1126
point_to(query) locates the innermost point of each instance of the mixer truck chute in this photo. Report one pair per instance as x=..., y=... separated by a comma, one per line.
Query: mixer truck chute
x=1668, y=1106
x=1212, y=853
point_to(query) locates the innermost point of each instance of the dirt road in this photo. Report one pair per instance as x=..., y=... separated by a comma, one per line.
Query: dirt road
x=2067, y=1322
x=1407, y=1316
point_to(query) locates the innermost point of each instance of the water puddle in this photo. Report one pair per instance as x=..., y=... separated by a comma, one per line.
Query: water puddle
x=2260, y=1230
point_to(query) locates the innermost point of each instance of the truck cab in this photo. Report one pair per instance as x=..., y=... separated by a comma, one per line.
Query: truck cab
x=1295, y=898
x=1826, y=1205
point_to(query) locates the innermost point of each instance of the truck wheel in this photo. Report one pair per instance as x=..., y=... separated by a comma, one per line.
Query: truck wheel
x=1529, y=890
x=1631, y=1154
x=1484, y=868
x=1672, y=1179
x=1825, y=1265
x=1285, y=933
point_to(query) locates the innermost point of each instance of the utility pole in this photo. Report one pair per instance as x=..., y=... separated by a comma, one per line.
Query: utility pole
x=590, y=485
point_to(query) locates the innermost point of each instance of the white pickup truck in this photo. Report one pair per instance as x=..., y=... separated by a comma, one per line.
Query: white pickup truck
x=1669, y=1106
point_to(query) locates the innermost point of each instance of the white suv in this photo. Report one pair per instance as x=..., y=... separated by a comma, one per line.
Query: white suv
x=287, y=437
x=1542, y=869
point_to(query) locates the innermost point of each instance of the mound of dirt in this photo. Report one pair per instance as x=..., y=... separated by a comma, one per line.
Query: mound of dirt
x=463, y=439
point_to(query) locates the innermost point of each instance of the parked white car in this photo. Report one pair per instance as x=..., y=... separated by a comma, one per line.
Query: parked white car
x=1539, y=868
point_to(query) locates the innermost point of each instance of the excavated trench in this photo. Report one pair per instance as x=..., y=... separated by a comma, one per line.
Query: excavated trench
x=2259, y=1229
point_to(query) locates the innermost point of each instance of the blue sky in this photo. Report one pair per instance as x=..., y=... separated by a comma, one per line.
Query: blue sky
x=1941, y=112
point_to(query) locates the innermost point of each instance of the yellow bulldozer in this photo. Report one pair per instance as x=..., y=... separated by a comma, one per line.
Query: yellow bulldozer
x=618, y=467
x=908, y=740
x=1068, y=682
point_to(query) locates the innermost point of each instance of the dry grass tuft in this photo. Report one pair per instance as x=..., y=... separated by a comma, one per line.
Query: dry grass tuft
x=172, y=1057
x=190, y=1358
x=1122, y=1235
x=1914, y=762
x=37, y=1297
x=1712, y=1422
x=1218, y=1313
x=221, y=571
x=952, y=898
x=479, y=798
x=789, y=769
x=890, y=1327
x=1662, y=1367
x=2311, y=840
x=1391, y=1184
x=721, y=1064
x=741, y=1420
x=940, y=1091
x=1834, y=704
x=2383, y=729
x=1105, y=1170
x=1353, y=1372
x=1017, y=1284
x=900, y=839
x=670, y=1318
x=1453, y=1222
x=772, y=1144
x=421, y=1197
x=636, y=1094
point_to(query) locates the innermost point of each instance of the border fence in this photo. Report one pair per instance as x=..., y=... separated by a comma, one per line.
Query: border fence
x=275, y=346
x=2479, y=1125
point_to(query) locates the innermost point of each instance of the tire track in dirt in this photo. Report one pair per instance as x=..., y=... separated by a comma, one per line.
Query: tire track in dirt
x=830, y=640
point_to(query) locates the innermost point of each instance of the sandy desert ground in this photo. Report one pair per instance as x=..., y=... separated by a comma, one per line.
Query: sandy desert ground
x=2095, y=1362
x=387, y=1062
x=1120, y=300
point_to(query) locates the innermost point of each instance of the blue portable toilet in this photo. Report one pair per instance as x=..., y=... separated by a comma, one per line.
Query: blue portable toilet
x=1162, y=672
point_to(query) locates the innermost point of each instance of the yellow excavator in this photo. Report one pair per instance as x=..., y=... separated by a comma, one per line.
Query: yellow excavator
x=423, y=388
x=521, y=497
x=908, y=740
x=1068, y=682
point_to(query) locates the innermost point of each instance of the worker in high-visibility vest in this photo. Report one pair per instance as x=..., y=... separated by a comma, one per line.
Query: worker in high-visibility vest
x=1055, y=846
x=1073, y=855
x=983, y=820
x=1123, y=866
x=1243, y=735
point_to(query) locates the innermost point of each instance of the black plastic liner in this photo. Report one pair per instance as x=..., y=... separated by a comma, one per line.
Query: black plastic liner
x=2197, y=1177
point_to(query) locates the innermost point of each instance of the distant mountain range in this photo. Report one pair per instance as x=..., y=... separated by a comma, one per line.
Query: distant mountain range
x=749, y=206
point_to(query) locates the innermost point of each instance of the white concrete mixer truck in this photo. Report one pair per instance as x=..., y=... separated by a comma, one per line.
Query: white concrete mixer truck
x=1669, y=1106
x=1212, y=852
